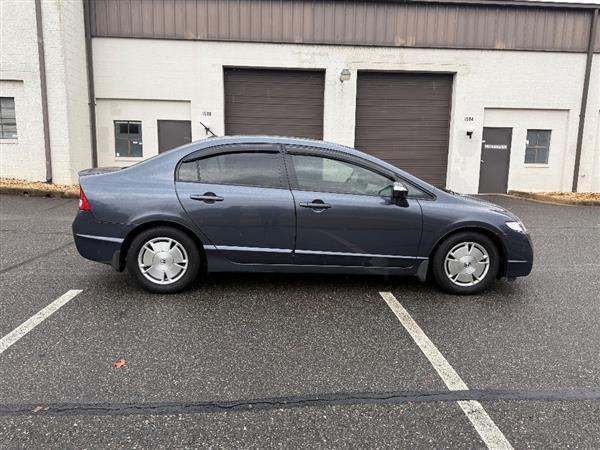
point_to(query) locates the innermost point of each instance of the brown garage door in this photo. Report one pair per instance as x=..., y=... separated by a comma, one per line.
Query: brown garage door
x=275, y=102
x=404, y=119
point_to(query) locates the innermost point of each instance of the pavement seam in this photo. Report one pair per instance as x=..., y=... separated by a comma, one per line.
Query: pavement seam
x=320, y=400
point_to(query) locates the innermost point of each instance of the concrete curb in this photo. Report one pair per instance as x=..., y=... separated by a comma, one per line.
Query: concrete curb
x=36, y=192
x=550, y=199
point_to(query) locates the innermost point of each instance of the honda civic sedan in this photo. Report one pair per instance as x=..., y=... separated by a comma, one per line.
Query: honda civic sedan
x=270, y=204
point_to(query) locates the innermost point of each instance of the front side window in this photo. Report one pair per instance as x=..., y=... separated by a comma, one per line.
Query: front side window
x=8, y=121
x=128, y=139
x=314, y=173
x=537, y=148
x=241, y=169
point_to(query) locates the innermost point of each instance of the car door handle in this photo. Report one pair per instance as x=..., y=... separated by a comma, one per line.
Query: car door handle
x=209, y=197
x=315, y=204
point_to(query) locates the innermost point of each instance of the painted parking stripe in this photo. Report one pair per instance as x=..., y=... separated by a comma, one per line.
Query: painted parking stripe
x=483, y=423
x=36, y=319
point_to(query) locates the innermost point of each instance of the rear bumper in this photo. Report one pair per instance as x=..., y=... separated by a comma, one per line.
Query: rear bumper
x=98, y=241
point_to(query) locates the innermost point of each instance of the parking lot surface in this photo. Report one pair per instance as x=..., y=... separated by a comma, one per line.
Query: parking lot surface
x=261, y=360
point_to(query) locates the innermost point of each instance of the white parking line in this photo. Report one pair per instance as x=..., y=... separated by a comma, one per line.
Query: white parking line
x=484, y=425
x=36, y=319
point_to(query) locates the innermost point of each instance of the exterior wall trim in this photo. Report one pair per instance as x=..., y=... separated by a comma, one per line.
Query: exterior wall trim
x=584, y=97
x=43, y=89
x=90, y=76
x=445, y=24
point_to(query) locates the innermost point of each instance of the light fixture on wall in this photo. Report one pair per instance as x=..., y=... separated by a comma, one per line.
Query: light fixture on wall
x=345, y=75
x=470, y=131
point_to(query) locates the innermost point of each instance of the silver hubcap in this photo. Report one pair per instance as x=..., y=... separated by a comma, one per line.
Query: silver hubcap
x=163, y=260
x=467, y=263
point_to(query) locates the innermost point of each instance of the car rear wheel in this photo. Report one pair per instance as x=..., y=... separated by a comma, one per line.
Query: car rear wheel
x=466, y=263
x=163, y=260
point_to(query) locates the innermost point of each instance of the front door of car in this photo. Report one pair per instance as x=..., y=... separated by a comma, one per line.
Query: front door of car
x=240, y=199
x=346, y=215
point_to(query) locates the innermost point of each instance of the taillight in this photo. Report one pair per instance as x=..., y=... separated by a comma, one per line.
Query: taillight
x=83, y=203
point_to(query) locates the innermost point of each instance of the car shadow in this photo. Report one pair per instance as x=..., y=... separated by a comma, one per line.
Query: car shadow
x=405, y=287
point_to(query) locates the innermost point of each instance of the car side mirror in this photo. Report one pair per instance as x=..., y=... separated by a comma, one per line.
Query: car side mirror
x=399, y=191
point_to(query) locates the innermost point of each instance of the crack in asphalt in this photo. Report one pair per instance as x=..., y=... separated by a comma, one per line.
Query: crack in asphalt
x=66, y=202
x=41, y=255
x=319, y=400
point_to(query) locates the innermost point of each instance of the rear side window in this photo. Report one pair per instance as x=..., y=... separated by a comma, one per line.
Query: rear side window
x=241, y=169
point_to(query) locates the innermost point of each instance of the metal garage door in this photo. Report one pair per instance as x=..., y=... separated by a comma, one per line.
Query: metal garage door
x=276, y=102
x=404, y=119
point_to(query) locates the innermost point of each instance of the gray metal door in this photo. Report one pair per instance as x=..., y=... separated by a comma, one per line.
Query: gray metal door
x=275, y=102
x=404, y=119
x=173, y=133
x=495, y=159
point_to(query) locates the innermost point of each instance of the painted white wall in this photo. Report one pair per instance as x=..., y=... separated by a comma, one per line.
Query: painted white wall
x=146, y=111
x=595, y=185
x=534, y=177
x=193, y=71
x=20, y=78
x=66, y=79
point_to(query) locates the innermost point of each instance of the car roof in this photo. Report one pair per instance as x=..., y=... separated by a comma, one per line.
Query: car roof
x=217, y=140
x=287, y=140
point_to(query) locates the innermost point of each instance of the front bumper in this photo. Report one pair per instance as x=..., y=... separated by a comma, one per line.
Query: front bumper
x=98, y=241
x=519, y=253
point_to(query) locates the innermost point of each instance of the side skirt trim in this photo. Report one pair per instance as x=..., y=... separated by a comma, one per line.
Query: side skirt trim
x=307, y=252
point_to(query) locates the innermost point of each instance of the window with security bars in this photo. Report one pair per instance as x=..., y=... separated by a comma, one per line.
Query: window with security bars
x=537, y=146
x=8, y=121
x=128, y=139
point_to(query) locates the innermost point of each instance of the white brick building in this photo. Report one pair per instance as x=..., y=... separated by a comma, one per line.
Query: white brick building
x=514, y=71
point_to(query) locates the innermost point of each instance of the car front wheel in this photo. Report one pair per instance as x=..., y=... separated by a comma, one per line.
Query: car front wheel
x=163, y=260
x=466, y=263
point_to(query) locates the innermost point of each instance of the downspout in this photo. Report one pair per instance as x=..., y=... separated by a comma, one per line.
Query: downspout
x=43, y=88
x=90, y=79
x=584, y=97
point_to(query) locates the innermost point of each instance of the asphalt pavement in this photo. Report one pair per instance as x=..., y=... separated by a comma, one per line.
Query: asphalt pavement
x=303, y=361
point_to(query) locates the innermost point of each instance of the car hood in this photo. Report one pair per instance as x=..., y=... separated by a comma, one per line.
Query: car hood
x=484, y=204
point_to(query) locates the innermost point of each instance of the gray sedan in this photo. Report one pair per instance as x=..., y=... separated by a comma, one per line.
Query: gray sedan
x=267, y=204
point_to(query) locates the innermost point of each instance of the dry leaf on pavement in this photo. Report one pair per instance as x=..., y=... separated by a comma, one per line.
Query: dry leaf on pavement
x=40, y=408
x=119, y=363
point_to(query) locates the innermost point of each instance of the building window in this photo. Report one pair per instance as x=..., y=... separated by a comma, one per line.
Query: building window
x=8, y=122
x=128, y=139
x=537, y=146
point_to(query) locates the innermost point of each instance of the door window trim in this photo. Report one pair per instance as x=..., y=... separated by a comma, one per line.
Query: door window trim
x=350, y=159
x=228, y=149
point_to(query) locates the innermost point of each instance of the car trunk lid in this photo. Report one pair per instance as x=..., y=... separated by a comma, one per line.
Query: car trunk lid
x=98, y=171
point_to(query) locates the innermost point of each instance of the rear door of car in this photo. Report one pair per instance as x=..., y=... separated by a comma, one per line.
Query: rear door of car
x=239, y=197
x=346, y=215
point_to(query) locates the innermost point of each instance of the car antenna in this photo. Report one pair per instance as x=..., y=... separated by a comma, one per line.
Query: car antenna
x=207, y=129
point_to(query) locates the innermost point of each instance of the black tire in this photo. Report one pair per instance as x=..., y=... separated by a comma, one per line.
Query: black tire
x=459, y=285
x=162, y=235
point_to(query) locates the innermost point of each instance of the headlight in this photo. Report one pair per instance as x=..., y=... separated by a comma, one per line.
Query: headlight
x=517, y=226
